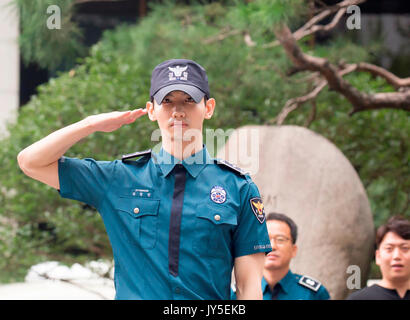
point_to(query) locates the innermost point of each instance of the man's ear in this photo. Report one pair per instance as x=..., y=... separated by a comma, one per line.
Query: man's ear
x=377, y=257
x=150, y=110
x=209, y=108
x=294, y=250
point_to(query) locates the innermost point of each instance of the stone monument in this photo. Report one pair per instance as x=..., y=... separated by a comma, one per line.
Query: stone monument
x=305, y=176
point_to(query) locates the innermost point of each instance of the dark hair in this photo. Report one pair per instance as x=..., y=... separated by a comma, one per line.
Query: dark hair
x=281, y=217
x=397, y=224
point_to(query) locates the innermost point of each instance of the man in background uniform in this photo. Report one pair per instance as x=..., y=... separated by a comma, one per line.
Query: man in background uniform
x=178, y=220
x=279, y=283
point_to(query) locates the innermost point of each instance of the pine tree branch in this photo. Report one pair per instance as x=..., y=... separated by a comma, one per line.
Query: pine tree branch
x=395, y=81
x=295, y=103
x=360, y=101
x=311, y=26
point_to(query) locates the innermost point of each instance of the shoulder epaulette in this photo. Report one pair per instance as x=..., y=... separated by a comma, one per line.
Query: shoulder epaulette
x=230, y=166
x=310, y=283
x=136, y=154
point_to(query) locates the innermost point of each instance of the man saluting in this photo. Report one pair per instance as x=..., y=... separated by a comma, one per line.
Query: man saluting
x=178, y=221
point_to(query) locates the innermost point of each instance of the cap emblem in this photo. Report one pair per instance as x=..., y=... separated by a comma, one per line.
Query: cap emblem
x=178, y=73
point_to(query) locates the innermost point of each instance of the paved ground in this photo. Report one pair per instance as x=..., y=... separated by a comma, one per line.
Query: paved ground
x=54, y=281
x=57, y=290
x=61, y=290
x=69, y=283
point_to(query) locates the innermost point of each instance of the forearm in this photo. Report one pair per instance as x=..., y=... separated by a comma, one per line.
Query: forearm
x=248, y=276
x=250, y=290
x=49, y=149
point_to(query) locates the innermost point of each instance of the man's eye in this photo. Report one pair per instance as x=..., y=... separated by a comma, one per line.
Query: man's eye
x=190, y=99
x=166, y=100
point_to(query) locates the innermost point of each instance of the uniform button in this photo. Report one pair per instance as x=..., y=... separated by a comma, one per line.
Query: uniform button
x=217, y=217
x=136, y=210
x=177, y=290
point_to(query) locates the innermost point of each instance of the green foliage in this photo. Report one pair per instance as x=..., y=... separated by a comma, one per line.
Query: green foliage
x=264, y=15
x=375, y=142
x=250, y=86
x=49, y=48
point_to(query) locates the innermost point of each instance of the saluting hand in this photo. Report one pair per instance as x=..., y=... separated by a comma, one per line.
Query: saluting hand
x=111, y=121
x=40, y=160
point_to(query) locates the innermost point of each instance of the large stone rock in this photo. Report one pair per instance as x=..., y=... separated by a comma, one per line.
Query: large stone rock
x=303, y=175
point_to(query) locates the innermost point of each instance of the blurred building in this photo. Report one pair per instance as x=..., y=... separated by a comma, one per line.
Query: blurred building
x=9, y=65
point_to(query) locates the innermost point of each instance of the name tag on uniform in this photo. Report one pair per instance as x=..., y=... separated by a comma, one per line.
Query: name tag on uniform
x=141, y=193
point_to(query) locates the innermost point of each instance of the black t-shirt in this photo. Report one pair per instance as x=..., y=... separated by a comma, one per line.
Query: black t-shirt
x=376, y=292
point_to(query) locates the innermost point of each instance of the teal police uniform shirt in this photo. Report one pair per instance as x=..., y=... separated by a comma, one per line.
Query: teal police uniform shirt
x=293, y=287
x=175, y=229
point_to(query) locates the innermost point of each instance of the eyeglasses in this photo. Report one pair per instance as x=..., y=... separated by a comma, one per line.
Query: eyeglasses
x=279, y=240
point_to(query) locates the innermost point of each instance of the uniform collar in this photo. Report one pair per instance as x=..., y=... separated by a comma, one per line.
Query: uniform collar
x=193, y=164
x=285, y=283
x=265, y=286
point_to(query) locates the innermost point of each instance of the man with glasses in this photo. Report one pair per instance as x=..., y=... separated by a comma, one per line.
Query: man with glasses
x=393, y=258
x=279, y=283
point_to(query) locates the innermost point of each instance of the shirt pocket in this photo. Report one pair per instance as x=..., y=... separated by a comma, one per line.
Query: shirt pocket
x=140, y=220
x=214, y=225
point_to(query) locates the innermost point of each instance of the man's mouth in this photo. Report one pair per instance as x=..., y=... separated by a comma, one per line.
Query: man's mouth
x=397, y=266
x=272, y=255
x=178, y=124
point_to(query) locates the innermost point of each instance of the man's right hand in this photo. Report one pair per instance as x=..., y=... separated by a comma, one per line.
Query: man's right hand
x=40, y=160
x=111, y=121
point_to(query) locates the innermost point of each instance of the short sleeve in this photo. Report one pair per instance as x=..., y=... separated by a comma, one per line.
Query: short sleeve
x=233, y=295
x=85, y=180
x=322, y=294
x=251, y=235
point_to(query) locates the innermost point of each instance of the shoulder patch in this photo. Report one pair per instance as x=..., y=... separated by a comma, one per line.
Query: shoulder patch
x=230, y=166
x=136, y=154
x=310, y=283
x=258, y=209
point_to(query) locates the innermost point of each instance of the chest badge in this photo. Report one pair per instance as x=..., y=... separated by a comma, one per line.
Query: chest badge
x=218, y=194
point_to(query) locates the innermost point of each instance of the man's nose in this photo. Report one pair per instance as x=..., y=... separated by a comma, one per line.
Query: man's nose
x=178, y=113
x=396, y=254
x=273, y=244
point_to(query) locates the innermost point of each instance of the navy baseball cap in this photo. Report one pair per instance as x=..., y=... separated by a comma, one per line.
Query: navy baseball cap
x=179, y=74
